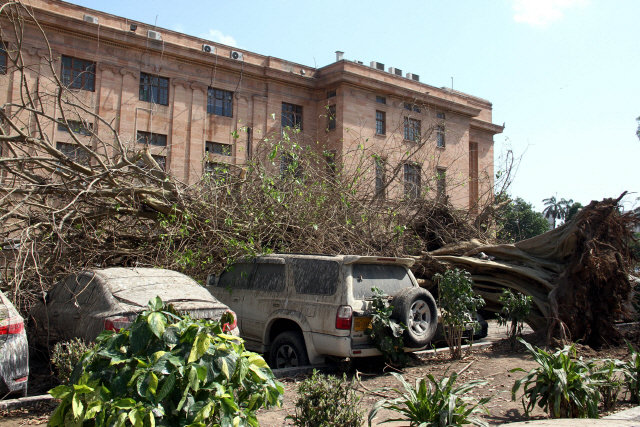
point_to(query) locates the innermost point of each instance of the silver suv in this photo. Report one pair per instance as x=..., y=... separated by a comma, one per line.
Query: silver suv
x=297, y=309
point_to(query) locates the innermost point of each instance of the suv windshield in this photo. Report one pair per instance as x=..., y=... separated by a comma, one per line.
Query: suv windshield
x=388, y=278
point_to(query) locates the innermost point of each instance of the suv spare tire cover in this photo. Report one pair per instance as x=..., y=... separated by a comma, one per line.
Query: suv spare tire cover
x=416, y=308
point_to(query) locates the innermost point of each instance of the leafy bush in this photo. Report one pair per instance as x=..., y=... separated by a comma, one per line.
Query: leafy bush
x=66, y=356
x=515, y=309
x=440, y=403
x=458, y=304
x=327, y=401
x=607, y=373
x=167, y=369
x=385, y=332
x=631, y=371
x=561, y=384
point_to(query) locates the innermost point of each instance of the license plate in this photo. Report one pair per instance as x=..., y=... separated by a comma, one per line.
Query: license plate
x=361, y=323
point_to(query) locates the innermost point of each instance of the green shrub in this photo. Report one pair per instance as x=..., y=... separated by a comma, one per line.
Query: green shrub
x=631, y=371
x=385, y=332
x=169, y=370
x=327, y=401
x=66, y=356
x=438, y=403
x=458, y=306
x=561, y=384
x=607, y=374
x=515, y=309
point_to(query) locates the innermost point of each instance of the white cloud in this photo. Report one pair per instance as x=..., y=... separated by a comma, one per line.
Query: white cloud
x=218, y=37
x=540, y=13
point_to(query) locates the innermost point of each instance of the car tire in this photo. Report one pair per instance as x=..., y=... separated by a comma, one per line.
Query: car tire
x=288, y=351
x=416, y=308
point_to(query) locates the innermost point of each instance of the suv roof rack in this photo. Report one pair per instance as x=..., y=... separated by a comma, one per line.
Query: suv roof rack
x=300, y=253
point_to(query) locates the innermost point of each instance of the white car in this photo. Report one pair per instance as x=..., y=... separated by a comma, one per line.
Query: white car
x=14, y=350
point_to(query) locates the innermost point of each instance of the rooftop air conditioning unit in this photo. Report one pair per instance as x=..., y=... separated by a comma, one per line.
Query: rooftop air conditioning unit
x=89, y=18
x=413, y=77
x=395, y=71
x=237, y=55
x=208, y=48
x=358, y=62
x=154, y=35
x=377, y=65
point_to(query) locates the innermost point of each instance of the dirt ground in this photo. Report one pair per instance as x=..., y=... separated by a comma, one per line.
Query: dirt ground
x=492, y=364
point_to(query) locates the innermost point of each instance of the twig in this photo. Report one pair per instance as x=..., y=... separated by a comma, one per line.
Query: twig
x=466, y=367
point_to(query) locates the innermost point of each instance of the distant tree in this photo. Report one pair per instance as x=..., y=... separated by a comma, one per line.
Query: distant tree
x=573, y=210
x=518, y=221
x=638, y=130
x=556, y=209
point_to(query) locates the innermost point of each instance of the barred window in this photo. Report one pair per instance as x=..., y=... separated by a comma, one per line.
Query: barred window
x=331, y=94
x=441, y=178
x=380, y=177
x=331, y=117
x=330, y=158
x=440, y=138
x=220, y=102
x=152, y=139
x=76, y=126
x=291, y=115
x=154, y=89
x=78, y=73
x=412, y=180
x=217, y=148
x=4, y=58
x=381, y=122
x=74, y=152
x=381, y=100
x=411, y=129
x=217, y=171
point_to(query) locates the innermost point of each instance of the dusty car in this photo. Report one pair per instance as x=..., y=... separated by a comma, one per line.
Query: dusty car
x=298, y=308
x=85, y=304
x=14, y=350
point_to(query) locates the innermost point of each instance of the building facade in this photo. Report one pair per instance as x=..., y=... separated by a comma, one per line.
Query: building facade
x=198, y=104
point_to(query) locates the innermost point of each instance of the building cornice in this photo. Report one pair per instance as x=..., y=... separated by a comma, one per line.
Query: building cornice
x=485, y=126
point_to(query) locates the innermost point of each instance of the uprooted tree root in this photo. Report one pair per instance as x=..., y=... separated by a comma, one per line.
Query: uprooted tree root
x=576, y=274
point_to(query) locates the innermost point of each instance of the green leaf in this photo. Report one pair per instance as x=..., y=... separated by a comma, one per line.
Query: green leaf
x=200, y=347
x=135, y=418
x=126, y=403
x=157, y=323
x=167, y=387
x=77, y=406
x=92, y=409
x=140, y=335
x=60, y=392
x=155, y=304
x=82, y=389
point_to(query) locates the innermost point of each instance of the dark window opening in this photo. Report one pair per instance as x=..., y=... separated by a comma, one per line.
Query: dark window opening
x=236, y=276
x=331, y=94
x=441, y=177
x=4, y=58
x=152, y=139
x=220, y=102
x=412, y=180
x=330, y=158
x=269, y=278
x=315, y=277
x=291, y=115
x=218, y=171
x=440, y=138
x=154, y=89
x=411, y=129
x=381, y=100
x=441, y=116
x=217, y=148
x=381, y=122
x=380, y=177
x=411, y=107
x=74, y=152
x=331, y=117
x=78, y=73
x=77, y=126
x=290, y=166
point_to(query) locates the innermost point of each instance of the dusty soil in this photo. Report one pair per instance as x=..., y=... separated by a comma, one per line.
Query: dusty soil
x=492, y=364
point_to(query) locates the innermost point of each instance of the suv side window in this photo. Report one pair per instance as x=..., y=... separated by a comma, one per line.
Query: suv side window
x=315, y=277
x=236, y=277
x=269, y=277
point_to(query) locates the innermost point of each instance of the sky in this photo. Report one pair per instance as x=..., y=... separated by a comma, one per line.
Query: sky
x=563, y=75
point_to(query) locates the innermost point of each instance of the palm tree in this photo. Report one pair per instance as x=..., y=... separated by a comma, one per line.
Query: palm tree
x=552, y=209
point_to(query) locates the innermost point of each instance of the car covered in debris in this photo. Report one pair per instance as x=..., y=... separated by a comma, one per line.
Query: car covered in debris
x=297, y=309
x=14, y=350
x=87, y=303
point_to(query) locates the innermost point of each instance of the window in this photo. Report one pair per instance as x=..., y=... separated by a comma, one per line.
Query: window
x=218, y=171
x=77, y=127
x=441, y=177
x=217, y=148
x=78, y=74
x=331, y=117
x=440, y=136
x=4, y=58
x=220, y=102
x=441, y=116
x=411, y=129
x=412, y=176
x=381, y=100
x=236, y=276
x=314, y=277
x=291, y=115
x=391, y=279
x=381, y=122
x=154, y=89
x=380, y=177
x=152, y=139
x=74, y=152
x=411, y=107
x=473, y=177
x=330, y=158
x=331, y=94
x=269, y=278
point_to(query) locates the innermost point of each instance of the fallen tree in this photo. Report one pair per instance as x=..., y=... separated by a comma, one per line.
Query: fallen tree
x=577, y=274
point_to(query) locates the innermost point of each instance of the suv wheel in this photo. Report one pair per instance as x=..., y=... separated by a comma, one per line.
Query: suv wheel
x=416, y=308
x=288, y=351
